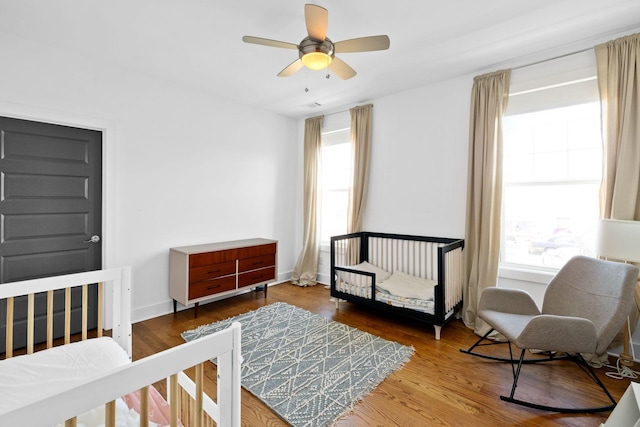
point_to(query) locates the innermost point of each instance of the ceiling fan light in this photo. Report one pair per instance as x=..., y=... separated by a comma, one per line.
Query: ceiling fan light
x=316, y=60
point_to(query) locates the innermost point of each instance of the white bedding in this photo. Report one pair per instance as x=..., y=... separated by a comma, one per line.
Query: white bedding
x=45, y=372
x=407, y=286
x=381, y=275
x=425, y=306
x=397, y=289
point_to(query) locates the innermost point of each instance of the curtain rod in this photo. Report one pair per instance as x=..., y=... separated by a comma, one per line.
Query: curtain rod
x=602, y=38
x=551, y=59
x=345, y=110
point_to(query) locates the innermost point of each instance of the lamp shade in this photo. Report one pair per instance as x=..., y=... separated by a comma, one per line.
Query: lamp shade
x=619, y=240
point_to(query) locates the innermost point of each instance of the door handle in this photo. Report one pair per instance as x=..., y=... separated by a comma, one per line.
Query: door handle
x=94, y=239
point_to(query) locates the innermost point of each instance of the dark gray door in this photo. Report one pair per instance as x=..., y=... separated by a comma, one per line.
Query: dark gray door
x=50, y=208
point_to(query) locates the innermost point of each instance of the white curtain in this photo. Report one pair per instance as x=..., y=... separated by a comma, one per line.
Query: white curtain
x=305, y=272
x=361, y=149
x=618, y=64
x=489, y=98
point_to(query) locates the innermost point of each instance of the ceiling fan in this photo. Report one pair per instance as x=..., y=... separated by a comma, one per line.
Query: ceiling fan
x=317, y=51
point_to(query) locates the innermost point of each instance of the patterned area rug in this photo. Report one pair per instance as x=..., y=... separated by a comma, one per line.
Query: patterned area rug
x=307, y=368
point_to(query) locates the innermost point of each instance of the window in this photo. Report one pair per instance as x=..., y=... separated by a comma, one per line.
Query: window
x=335, y=179
x=552, y=165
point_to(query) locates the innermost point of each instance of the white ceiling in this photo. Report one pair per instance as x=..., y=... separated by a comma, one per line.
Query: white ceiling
x=198, y=42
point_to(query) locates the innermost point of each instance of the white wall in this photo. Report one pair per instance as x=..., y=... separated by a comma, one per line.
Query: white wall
x=417, y=183
x=418, y=171
x=182, y=167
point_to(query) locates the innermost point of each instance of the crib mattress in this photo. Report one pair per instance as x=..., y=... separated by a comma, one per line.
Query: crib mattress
x=424, y=306
x=364, y=291
x=34, y=376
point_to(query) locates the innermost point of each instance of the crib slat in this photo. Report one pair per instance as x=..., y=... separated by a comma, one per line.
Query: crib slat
x=49, y=318
x=110, y=414
x=9, y=333
x=185, y=409
x=100, y=312
x=85, y=308
x=174, y=400
x=415, y=259
x=144, y=406
x=67, y=315
x=30, y=322
x=197, y=409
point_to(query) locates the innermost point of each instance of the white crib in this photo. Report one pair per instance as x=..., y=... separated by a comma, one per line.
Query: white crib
x=104, y=384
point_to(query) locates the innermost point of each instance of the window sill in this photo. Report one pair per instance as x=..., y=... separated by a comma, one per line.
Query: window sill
x=525, y=274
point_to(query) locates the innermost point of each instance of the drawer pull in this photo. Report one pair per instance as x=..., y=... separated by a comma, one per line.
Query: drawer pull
x=212, y=287
x=214, y=271
x=258, y=263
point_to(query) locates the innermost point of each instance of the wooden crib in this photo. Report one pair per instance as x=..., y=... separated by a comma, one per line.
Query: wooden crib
x=365, y=265
x=42, y=405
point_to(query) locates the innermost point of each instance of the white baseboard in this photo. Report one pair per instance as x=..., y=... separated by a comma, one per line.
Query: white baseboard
x=324, y=279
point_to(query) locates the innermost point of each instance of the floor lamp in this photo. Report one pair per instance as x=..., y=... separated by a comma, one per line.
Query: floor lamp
x=619, y=240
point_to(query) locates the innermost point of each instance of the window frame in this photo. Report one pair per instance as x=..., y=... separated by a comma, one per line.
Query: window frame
x=548, y=85
x=340, y=136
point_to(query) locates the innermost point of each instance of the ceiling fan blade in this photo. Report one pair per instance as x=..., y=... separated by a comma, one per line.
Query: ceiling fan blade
x=291, y=68
x=269, y=42
x=317, y=20
x=362, y=44
x=342, y=69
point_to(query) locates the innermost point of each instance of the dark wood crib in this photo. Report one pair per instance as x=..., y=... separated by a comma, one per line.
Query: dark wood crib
x=362, y=263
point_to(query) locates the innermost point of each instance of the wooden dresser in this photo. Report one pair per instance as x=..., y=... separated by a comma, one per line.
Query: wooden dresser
x=201, y=272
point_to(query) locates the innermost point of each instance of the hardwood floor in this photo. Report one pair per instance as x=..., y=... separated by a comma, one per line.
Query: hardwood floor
x=439, y=386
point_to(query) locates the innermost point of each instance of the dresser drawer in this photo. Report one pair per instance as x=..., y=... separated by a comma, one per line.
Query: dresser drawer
x=254, y=251
x=197, y=274
x=254, y=263
x=211, y=287
x=207, y=258
x=213, y=270
x=257, y=276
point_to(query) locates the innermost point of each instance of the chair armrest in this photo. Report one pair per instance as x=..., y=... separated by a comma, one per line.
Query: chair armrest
x=505, y=300
x=559, y=333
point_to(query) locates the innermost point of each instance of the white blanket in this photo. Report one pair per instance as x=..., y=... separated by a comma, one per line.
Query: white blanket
x=41, y=374
x=404, y=285
x=34, y=376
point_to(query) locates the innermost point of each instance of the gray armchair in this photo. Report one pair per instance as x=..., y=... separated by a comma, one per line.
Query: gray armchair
x=584, y=307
